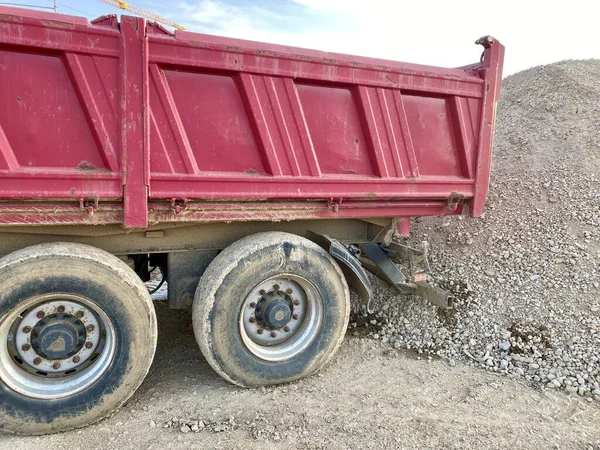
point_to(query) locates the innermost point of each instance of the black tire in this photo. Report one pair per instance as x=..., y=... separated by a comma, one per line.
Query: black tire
x=233, y=275
x=114, y=291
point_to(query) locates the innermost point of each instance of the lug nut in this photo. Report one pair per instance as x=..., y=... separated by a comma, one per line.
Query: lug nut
x=79, y=314
x=40, y=314
x=56, y=365
x=252, y=305
x=295, y=316
x=262, y=292
x=27, y=330
x=273, y=334
x=289, y=290
x=25, y=347
x=61, y=309
x=296, y=302
x=286, y=328
x=88, y=345
x=252, y=320
x=276, y=287
x=89, y=328
x=37, y=361
x=76, y=359
x=260, y=331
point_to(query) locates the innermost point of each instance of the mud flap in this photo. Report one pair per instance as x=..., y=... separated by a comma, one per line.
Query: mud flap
x=353, y=271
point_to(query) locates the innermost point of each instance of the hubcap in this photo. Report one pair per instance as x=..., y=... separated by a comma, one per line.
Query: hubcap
x=55, y=345
x=274, y=310
x=281, y=317
x=58, y=336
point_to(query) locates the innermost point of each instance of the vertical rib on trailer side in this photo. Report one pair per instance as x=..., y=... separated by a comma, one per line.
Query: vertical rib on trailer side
x=135, y=124
x=493, y=58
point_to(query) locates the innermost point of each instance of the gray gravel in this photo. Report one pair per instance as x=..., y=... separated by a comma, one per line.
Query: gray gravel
x=527, y=274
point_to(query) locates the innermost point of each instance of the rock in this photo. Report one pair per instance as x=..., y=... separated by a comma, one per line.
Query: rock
x=185, y=429
x=152, y=424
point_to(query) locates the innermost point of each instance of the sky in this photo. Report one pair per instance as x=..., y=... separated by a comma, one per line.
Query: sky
x=434, y=32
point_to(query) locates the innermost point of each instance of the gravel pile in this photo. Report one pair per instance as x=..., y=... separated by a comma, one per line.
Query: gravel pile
x=527, y=274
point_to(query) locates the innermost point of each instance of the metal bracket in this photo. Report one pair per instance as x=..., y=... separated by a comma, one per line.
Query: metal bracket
x=453, y=200
x=334, y=204
x=377, y=260
x=179, y=204
x=88, y=205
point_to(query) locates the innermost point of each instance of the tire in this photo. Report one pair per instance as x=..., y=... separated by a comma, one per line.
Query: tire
x=81, y=300
x=258, y=270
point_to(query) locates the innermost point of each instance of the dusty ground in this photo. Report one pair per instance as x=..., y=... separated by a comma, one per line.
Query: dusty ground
x=370, y=396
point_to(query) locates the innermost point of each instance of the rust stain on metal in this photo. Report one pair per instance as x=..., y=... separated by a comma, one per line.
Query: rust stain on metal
x=58, y=24
x=85, y=165
x=269, y=53
x=10, y=18
x=232, y=48
x=357, y=64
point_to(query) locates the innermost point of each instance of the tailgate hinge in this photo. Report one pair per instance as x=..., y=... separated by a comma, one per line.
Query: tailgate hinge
x=179, y=204
x=88, y=205
x=453, y=200
x=334, y=204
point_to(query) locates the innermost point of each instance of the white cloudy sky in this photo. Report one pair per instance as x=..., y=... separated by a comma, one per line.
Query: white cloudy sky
x=433, y=32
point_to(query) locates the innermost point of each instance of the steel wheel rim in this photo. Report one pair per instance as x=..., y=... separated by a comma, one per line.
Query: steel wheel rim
x=283, y=340
x=57, y=365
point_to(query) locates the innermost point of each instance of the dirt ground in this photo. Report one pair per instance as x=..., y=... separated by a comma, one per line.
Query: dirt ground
x=370, y=396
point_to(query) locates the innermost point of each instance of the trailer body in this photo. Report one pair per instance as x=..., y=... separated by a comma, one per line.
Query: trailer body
x=126, y=123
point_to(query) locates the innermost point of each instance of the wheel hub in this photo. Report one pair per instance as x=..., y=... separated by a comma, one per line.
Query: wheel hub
x=58, y=336
x=274, y=310
x=280, y=317
x=55, y=344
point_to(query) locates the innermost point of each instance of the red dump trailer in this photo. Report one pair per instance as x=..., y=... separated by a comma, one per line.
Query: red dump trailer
x=261, y=180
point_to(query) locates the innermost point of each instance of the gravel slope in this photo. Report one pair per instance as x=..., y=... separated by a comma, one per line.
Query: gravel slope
x=527, y=274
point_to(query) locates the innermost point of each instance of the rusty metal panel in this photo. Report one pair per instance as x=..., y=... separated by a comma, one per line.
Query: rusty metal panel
x=150, y=127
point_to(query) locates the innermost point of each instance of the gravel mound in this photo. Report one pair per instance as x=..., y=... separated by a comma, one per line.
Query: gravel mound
x=527, y=274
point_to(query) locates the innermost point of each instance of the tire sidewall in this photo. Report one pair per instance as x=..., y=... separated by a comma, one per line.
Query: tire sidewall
x=308, y=261
x=133, y=326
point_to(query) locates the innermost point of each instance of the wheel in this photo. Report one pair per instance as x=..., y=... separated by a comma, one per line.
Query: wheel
x=271, y=308
x=77, y=337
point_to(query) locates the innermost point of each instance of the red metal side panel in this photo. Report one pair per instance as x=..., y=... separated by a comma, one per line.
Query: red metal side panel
x=247, y=121
x=144, y=123
x=59, y=120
